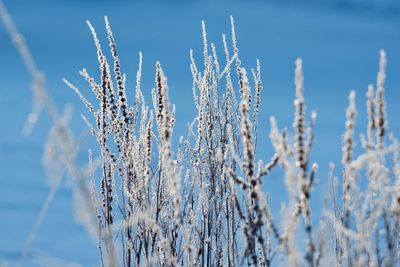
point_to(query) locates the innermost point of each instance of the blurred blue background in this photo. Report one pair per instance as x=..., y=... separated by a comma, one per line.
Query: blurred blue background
x=339, y=41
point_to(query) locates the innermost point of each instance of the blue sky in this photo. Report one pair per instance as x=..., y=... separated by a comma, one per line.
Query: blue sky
x=339, y=45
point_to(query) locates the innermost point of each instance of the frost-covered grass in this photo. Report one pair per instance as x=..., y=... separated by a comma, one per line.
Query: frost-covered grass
x=203, y=199
x=201, y=202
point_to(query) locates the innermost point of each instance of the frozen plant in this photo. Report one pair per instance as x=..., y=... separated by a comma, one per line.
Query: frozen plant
x=203, y=203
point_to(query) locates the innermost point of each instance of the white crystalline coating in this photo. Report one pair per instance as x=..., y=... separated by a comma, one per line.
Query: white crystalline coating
x=208, y=203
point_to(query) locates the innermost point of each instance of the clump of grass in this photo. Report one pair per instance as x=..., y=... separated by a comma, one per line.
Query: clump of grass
x=203, y=204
